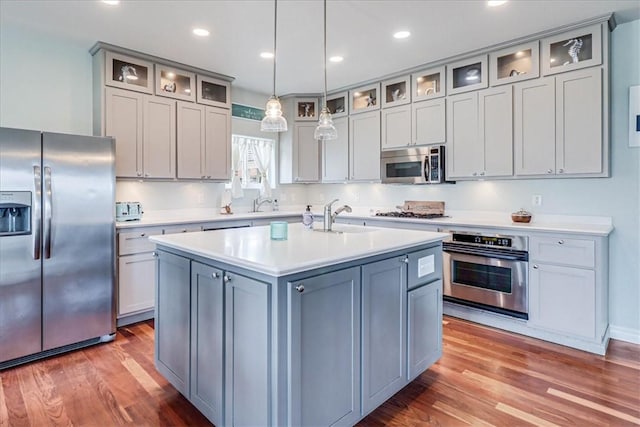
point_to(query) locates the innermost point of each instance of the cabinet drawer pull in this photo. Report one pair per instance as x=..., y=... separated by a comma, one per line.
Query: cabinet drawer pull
x=215, y=275
x=535, y=266
x=300, y=288
x=561, y=242
x=226, y=278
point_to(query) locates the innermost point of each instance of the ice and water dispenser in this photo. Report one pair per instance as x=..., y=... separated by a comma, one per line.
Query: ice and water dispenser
x=15, y=213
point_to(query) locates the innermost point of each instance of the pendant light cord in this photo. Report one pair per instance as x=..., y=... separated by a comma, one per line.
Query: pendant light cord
x=325, y=54
x=275, y=30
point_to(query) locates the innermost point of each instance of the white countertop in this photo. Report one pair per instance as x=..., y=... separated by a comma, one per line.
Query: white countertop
x=568, y=224
x=304, y=249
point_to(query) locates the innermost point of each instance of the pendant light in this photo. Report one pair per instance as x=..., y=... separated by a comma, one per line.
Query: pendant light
x=325, y=130
x=273, y=120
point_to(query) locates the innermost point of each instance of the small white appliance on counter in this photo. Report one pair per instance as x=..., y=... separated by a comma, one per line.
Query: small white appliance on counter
x=128, y=211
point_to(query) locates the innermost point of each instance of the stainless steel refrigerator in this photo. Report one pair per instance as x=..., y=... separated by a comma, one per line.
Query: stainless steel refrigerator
x=56, y=243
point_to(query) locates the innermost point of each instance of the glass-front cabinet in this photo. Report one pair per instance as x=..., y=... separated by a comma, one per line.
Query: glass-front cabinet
x=213, y=92
x=396, y=91
x=129, y=73
x=428, y=84
x=175, y=83
x=338, y=104
x=572, y=50
x=364, y=98
x=306, y=109
x=466, y=75
x=514, y=64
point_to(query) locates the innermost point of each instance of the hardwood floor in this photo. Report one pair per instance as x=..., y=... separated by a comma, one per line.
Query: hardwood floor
x=485, y=377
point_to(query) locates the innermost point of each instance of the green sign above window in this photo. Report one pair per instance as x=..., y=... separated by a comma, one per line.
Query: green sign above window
x=246, y=112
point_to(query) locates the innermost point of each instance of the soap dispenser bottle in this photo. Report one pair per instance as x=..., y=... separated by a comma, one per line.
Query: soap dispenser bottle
x=307, y=218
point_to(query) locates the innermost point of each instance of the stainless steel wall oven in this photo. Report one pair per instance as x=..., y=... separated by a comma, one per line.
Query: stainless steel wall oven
x=489, y=271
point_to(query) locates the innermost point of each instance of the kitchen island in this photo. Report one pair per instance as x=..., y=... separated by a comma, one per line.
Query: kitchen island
x=318, y=329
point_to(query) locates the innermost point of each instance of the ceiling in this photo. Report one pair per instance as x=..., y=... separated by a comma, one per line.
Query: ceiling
x=359, y=30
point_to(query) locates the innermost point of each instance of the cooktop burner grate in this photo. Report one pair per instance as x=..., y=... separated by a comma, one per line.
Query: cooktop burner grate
x=410, y=215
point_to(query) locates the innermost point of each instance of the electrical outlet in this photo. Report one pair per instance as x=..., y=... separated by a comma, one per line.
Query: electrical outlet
x=536, y=200
x=200, y=198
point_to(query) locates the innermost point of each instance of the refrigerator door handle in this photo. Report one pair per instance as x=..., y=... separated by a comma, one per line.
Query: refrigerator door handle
x=37, y=213
x=47, y=212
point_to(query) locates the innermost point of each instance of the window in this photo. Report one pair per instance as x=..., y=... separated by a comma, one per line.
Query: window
x=253, y=163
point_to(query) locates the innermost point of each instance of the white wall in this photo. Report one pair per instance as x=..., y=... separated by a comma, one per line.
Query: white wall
x=46, y=84
x=617, y=197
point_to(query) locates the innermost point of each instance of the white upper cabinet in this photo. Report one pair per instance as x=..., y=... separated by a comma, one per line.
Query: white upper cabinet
x=335, y=153
x=217, y=148
x=572, y=50
x=159, y=137
x=175, y=83
x=479, y=127
x=428, y=122
x=191, y=135
x=429, y=83
x=467, y=75
x=364, y=146
x=338, y=104
x=558, y=126
x=127, y=72
x=514, y=64
x=396, y=127
x=213, y=92
x=396, y=91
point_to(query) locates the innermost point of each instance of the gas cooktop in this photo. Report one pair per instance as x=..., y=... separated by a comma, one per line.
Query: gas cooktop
x=411, y=215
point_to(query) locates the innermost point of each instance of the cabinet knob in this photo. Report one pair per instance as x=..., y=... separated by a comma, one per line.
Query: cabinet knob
x=549, y=171
x=184, y=230
x=143, y=234
x=481, y=173
x=404, y=259
x=226, y=278
x=300, y=288
x=561, y=242
x=215, y=275
x=146, y=174
x=139, y=174
x=561, y=171
x=202, y=177
x=154, y=253
x=475, y=174
x=535, y=266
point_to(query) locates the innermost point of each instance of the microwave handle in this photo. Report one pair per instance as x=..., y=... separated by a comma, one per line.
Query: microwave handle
x=427, y=165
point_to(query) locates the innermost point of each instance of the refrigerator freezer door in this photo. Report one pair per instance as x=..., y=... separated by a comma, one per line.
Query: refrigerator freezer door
x=78, y=254
x=20, y=266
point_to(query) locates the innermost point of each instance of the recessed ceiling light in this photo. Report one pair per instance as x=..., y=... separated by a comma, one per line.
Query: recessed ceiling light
x=200, y=32
x=494, y=3
x=266, y=55
x=111, y=2
x=336, y=58
x=402, y=34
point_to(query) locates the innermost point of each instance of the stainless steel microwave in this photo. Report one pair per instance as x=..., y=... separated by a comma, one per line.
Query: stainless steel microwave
x=420, y=165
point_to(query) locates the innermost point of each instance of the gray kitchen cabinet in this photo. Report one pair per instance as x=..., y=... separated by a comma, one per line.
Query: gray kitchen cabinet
x=384, y=326
x=207, y=345
x=173, y=320
x=559, y=125
x=479, y=128
x=324, y=350
x=144, y=128
x=428, y=124
x=396, y=127
x=335, y=153
x=364, y=149
x=204, y=142
x=247, y=351
x=424, y=344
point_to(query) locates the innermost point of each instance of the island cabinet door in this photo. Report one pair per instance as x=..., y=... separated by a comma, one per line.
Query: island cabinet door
x=247, y=346
x=424, y=346
x=324, y=349
x=384, y=326
x=207, y=330
x=172, y=322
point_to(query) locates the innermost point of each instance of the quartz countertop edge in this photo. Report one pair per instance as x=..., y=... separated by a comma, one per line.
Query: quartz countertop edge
x=252, y=248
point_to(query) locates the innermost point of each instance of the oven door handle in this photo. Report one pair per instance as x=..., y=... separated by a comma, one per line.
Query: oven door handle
x=486, y=253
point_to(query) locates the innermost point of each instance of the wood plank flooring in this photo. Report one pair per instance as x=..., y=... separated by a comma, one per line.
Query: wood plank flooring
x=486, y=377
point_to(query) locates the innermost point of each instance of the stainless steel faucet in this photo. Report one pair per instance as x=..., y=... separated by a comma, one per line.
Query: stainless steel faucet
x=259, y=202
x=328, y=219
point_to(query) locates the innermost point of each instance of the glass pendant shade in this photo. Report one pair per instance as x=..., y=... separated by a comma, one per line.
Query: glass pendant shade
x=273, y=120
x=325, y=130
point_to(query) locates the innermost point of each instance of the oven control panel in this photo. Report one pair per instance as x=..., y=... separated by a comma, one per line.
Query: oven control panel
x=505, y=242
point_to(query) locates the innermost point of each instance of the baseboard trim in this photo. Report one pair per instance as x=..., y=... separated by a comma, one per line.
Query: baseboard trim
x=625, y=334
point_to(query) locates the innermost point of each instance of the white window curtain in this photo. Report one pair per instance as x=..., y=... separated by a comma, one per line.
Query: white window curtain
x=252, y=164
